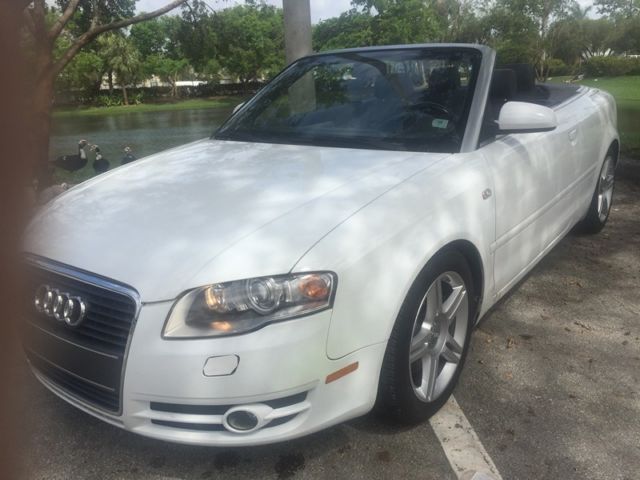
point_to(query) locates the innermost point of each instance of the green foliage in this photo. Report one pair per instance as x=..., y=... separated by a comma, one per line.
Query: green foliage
x=508, y=51
x=167, y=69
x=408, y=21
x=611, y=66
x=104, y=11
x=626, y=36
x=198, y=36
x=556, y=67
x=459, y=22
x=515, y=37
x=246, y=42
x=150, y=37
x=597, y=36
x=385, y=22
x=566, y=40
x=116, y=99
x=83, y=73
x=618, y=8
x=350, y=29
x=211, y=71
x=122, y=58
x=521, y=28
x=251, y=41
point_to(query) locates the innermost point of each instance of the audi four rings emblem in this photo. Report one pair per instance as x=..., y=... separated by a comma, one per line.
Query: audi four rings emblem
x=60, y=305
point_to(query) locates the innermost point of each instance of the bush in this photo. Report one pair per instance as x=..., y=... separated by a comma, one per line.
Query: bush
x=557, y=68
x=611, y=66
x=155, y=94
x=109, y=100
x=509, y=52
x=635, y=68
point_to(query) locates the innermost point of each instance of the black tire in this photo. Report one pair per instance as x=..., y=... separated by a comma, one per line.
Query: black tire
x=595, y=220
x=397, y=398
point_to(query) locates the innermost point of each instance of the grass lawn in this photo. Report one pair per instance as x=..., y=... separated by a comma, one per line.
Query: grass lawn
x=195, y=103
x=626, y=91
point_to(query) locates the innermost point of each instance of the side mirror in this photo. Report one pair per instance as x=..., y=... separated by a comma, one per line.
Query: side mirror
x=237, y=107
x=523, y=117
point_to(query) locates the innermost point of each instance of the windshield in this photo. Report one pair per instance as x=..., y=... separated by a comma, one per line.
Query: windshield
x=412, y=99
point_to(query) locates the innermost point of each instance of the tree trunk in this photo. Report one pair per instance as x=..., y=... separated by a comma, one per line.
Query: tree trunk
x=110, y=82
x=125, y=98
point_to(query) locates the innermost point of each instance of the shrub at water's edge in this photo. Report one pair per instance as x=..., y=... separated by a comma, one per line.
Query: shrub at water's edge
x=116, y=109
x=611, y=66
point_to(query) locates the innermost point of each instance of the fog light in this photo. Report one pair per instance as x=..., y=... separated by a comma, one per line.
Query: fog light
x=242, y=420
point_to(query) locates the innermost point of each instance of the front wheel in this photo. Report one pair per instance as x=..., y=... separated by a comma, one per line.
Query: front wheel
x=429, y=341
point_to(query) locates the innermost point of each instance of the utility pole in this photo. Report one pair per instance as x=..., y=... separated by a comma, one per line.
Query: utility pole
x=297, y=29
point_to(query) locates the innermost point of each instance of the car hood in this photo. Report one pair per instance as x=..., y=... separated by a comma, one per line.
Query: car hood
x=212, y=211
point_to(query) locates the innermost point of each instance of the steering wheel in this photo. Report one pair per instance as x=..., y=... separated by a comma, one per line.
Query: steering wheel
x=434, y=107
x=427, y=107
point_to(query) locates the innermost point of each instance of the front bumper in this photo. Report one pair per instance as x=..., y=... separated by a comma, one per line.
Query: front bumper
x=282, y=371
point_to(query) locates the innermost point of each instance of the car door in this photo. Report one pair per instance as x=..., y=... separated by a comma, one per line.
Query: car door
x=588, y=109
x=532, y=175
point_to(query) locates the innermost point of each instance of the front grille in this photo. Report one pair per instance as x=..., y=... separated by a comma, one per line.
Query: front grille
x=101, y=397
x=86, y=360
x=216, y=427
x=201, y=427
x=222, y=409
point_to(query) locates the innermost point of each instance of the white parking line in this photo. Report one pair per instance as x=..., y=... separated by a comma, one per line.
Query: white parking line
x=460, y=442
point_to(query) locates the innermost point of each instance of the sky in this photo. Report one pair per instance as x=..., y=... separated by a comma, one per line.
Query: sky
x=320, y=9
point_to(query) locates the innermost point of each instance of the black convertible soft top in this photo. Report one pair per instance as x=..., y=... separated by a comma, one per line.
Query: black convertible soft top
x=518, y=81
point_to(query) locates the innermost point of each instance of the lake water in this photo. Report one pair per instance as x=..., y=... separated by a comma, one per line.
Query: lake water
x=152, y=132
x=145, y=133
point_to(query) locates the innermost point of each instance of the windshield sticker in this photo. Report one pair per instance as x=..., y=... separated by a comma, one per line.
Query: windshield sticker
x=440, y=123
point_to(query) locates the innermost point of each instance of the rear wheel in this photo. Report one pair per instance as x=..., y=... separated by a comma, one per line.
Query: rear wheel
x=602, y=198
x=429, y=341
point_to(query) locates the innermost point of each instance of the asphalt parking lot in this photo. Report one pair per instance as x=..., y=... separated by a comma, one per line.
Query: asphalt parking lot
x=551, y=387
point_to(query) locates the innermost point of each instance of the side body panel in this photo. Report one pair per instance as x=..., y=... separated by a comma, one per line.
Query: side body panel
x=598, y=124
x=544, y=183
x=532, y=174
x=379, y=251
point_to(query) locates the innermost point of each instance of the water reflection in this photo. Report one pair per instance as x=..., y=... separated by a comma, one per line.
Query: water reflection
x=151, y=132
x=145, y=133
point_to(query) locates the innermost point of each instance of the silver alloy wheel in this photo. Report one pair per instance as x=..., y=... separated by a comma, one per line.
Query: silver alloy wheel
x=605, y=188
x=439, y=332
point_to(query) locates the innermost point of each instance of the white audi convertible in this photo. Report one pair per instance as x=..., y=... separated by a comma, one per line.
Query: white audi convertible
x=326, y=252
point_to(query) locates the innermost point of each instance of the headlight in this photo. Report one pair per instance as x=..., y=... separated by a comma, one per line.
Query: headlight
x=245, y=305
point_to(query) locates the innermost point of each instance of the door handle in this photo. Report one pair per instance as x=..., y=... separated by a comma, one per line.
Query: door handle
x=573, y=135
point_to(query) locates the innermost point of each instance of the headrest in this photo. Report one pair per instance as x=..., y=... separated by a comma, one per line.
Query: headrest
x=402, y=83
x=503, y=84
x=444, y=78
x=525, y=75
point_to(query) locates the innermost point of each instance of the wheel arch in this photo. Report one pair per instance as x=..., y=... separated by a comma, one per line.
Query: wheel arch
x=614, y=147
x=472, y=255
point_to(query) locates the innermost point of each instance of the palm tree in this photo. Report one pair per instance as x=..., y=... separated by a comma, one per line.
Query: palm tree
x=576, y=12
x=123, y=59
